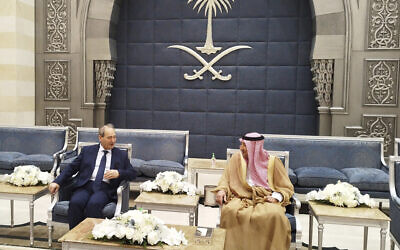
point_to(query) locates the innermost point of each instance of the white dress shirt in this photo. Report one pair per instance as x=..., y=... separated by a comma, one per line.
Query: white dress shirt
x=100, y=154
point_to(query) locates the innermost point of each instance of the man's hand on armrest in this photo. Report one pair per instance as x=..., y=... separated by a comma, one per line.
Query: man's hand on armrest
x=54, y=187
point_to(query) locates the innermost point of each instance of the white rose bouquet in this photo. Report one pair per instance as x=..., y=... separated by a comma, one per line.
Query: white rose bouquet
x=341, y=194
x=169, y=181
x=27, y=175
x=138, y=227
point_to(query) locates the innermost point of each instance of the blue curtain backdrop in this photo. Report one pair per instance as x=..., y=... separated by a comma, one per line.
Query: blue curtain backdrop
x=271, y=90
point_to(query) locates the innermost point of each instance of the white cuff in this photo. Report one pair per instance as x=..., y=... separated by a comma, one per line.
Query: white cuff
x=277, y=196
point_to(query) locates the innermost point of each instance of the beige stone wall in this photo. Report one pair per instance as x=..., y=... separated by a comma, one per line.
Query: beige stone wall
x=17, y=62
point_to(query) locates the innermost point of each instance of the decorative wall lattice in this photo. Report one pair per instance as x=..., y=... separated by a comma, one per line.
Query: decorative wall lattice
x=377, y=126
x=104, y=78
x=322, y=70
x=383, y=25
x=60, y=117
x=57, y=80
x=382, y=86
x=57, y=25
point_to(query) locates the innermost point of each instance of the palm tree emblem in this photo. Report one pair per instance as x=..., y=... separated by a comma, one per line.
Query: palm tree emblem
x=210, y=6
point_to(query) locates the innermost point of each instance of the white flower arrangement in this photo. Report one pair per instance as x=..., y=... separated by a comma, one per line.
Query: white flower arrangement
x=138, y=227
x=169, y=181
x=341, y=194
x=27, y=175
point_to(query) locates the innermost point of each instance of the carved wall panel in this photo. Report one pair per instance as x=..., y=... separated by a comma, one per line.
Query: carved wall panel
x=57, y=80
x=57, y=14
x=60, y=117
x=104, y=76
x=382, y=83
x=383, y=24
x=69, y=37
x=377, y=126
x=322, y=70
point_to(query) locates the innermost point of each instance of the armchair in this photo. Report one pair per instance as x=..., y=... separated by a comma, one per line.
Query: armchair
x=58, y=210
x=394, y=202
x=292, y=210
x=154, y=151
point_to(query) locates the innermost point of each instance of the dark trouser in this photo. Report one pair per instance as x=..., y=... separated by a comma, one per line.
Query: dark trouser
x=85, y=202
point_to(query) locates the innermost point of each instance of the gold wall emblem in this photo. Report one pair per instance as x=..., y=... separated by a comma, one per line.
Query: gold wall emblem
x=210, y=7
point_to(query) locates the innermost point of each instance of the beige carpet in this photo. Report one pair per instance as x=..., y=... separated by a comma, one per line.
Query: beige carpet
x=19, y=235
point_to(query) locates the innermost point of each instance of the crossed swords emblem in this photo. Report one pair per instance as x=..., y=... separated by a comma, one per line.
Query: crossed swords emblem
x=208, y=66
x=210, y=8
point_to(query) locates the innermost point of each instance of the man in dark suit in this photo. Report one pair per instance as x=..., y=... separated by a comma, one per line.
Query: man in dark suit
x=100, y=168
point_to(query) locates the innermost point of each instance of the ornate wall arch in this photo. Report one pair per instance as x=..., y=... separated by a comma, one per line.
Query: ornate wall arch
x=330, y=56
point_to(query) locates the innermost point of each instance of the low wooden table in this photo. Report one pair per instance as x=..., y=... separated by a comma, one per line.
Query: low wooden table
x=80, y=237
x=197, y=166
x=166, y=202
x=360, y=216
x=11, y=192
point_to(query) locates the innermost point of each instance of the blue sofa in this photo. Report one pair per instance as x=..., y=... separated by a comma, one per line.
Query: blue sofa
x=316, y=161
x=37, y=145
x=153, y=151
x=394, y=202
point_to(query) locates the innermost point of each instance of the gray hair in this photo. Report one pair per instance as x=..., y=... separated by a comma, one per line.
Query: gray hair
x=103, y=128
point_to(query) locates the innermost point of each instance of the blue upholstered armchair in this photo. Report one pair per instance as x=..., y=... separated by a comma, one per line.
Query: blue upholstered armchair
x=394, y=186
x=153, y=151
x=58, y=210
x=292, y=210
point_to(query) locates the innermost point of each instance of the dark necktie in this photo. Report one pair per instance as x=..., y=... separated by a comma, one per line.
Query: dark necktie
x=100, y=171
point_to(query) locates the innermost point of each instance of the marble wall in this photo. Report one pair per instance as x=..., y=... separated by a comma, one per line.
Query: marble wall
x=17, y=62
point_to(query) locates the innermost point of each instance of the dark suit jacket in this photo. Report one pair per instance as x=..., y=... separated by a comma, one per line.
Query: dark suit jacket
x=84, y=165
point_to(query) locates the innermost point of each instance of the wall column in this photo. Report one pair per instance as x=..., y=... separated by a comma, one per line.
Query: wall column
x=17, y=62
x=323, y=70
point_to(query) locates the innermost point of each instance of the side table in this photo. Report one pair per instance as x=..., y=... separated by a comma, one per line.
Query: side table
x=32, y=193
x=80, y=237
x=197, y=166
x=359, y=216
x=166, y=202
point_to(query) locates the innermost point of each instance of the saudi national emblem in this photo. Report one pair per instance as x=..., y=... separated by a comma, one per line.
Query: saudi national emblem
x=210, y=7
